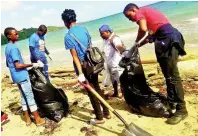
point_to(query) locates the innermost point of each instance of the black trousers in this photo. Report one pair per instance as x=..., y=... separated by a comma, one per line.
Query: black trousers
x=175, y=89
x=93, y=80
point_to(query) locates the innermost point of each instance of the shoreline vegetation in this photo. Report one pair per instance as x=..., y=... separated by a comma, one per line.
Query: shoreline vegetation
x=27, y=32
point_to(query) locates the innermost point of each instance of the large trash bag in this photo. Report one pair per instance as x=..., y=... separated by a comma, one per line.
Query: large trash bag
x=138, y=95
x=52, y=102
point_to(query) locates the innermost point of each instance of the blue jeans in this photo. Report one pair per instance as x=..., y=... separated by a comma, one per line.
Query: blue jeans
x=27, y=96
x=45, y=71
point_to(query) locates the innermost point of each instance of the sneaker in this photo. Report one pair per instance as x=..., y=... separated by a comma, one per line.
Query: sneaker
x=4, y=118
x=176, y=118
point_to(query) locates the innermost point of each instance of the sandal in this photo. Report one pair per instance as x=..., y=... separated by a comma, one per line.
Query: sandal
x=96, y=121
x=107, y=116
x=28, y=124
x=42, y=124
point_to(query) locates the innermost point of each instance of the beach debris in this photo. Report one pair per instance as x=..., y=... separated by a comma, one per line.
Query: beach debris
x=84, y=129
x=75, y=103
x=86, y=104
x=151, y=74
x=49, y=128
x=89, y=131
x=61, y=75
x=15, y=108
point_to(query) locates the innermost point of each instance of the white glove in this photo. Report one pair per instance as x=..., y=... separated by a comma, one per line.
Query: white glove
x=49, y=56
x=132, y=49
x=40, y=63
x=35, y=65
x=81, y=78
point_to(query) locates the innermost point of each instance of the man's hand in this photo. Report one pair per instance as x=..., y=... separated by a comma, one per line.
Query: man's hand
x=49, y=56
x=35, y=65
x=81, y=78
x=40, y=63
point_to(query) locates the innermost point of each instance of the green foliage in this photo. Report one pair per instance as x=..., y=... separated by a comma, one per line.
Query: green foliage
x=26, y=33
x=3, y=39
x=23, y=34
x=54, y=28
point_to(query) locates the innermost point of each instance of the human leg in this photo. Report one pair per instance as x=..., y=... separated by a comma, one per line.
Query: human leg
x=174, y=86
x=45, y=71
x=99, y=91
x=28, y=101
x=115, y=73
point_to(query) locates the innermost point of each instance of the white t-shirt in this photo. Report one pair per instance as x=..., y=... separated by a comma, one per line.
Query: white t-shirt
x=112, y=56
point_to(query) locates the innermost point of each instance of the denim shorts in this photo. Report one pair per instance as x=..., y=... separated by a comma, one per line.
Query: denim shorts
x=27, y=96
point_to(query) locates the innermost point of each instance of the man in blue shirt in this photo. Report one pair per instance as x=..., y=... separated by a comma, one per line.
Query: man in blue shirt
x=78, y=54
x=38, y=49
x=20, y=75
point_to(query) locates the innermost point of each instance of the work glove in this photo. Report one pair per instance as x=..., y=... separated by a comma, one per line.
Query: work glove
x=40, y=63
x=49, y=56
x=131, y=50
x=81, y=78
x=35, y=65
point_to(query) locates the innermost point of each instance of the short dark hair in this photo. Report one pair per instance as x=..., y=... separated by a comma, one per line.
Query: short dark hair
x=7, y=31
x=129, y=7
x=69, y=16
x=42, y=28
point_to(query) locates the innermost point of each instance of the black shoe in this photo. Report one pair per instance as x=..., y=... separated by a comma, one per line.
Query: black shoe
x=176, y=118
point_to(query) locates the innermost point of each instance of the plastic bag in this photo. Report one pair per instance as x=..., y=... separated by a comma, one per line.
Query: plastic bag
x=137, y=94
x=52, y=102
x=106, y=79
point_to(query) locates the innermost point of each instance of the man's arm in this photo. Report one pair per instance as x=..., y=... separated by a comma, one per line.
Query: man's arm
x=14, y=53
x=143, y=42
x=21, y=66
x=76, y=60
x=142, y=30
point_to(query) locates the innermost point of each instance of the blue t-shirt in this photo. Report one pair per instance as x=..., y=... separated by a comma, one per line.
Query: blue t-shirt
x=13, y=54
x=37, y=47
x=82, y=35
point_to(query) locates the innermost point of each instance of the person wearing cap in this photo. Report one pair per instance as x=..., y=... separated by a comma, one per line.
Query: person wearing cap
x=113, y=49
x=78, y=54
x=38, y=49
x=169, y=44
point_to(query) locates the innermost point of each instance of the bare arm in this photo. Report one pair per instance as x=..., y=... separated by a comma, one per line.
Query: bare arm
x=120, y=48
x=142, y=30
x=21, y=66
x=143, y=42
x=76, y=60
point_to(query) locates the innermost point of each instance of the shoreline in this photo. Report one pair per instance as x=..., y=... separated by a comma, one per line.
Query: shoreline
x=147, y=54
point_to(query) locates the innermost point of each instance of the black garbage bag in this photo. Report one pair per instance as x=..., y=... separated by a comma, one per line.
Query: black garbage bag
x=138, y=95
x=52, y=102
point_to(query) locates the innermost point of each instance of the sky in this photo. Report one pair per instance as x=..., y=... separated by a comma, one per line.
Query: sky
x=26, y=14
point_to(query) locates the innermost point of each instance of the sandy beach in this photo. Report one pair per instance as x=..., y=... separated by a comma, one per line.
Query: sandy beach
x=75, y=124
x=182, y=15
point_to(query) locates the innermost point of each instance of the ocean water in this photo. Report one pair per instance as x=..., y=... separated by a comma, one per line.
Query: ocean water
x=182, y=15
